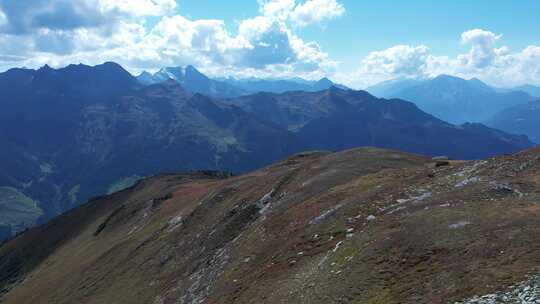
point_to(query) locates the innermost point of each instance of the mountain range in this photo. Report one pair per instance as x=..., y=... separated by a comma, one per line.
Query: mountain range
x=339, y=119
x=452, y=99
x=77, y=132
x=254, y=85
x=358, y=226
x=195, y=81
x=520, y=119
x=529, y=89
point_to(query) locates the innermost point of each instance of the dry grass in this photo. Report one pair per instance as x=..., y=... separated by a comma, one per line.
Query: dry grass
x=361, y=226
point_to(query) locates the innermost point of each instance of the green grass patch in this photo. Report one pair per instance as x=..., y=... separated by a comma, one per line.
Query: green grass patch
x=124, y=183
x=17, y=209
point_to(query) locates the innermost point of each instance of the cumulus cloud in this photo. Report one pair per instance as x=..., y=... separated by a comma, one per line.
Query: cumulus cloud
x=3, y=18
x=255, y=27
x=516, y=68
x=483, y=50
x=399, y=60
x=315, y=11
x=279, y=9
x=301, y=14
x=139, y=7
x=485, y=60
x=25, y=17
x=273, y=46
x=59, y=32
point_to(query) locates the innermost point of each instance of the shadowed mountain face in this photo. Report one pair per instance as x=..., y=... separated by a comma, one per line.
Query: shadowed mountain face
x=77, y=132
x=359, y=226
x=521, y=119
x=40, y=122
x=451, y=98
x=338, y=119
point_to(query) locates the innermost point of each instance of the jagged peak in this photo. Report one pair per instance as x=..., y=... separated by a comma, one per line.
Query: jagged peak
x=191, y=69
x=45, y=67
x=145, y=74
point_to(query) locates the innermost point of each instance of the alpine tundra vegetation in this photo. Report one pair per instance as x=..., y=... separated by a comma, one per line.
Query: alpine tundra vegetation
x=269, y=151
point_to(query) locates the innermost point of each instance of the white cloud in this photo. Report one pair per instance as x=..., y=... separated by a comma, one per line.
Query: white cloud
x=399, y=60
x=60, y=32
x=497, y=65
x=26, y=17
x=485, y=60
x=255, y=27
x=139, y=7
x=302, y=14
x=315, y=11
x=516, y=68
x=483, y=50
x=3, y=18
x=278, y=9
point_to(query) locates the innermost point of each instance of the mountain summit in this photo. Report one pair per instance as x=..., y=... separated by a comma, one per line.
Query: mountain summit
x=193, y=80
x=450, y=98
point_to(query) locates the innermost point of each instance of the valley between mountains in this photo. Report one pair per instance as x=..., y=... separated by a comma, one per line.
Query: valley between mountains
x=360, y=226
x=74, y=133
x=269, y=152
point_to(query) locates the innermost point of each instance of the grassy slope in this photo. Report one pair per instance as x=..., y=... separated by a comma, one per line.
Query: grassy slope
x=360, y=226
x=17, y=208
x=123, y=183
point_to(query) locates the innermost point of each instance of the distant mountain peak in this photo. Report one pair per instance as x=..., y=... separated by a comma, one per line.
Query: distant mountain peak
x=323, y=84
x=325, y=80
x=451, y=98
x=457, y=80
x=192, y=80
x=446, y=77
x=193, y=69
x=176, y=73
x=192, y=72
x=144, y=74
x=110, y=64
x=474, y=79
x=229, y=86
x=112, y=68
x=45, y=68
x=530, y=89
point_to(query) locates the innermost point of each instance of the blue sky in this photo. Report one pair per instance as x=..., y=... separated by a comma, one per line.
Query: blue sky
x=374, y=25
x=383, y=23
x=353, y=41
